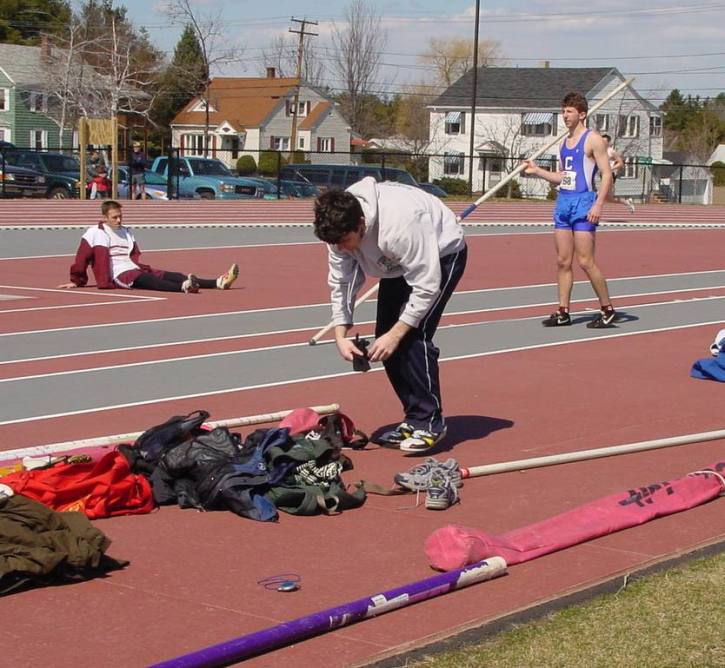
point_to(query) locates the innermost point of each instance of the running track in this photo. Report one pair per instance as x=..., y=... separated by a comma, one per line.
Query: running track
x=84, y=363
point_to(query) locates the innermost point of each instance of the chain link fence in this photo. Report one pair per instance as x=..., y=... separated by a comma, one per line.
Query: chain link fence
x=281, y=174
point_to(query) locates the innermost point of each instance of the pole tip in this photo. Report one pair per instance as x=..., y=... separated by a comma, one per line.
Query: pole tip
x=312, y=342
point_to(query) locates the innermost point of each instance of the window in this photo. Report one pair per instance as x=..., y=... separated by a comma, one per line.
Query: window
x=4, y=134
x=279, y=143
x=628, y=126
x=455, y=123
x=193, y=144
x=4, y=99
x=453, y=164
x=300, y=142
x=38, y=139
x=538, y=124
x=38, y=102
x=303, y=108
x=631, y=168
x=601, y=122
x=325, y=144
x=655, y=126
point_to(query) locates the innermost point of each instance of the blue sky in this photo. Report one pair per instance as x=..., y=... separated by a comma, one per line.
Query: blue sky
x=665, y=45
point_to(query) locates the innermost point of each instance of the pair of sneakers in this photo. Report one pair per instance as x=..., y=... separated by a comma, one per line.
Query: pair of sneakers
x=604, y=320
x=409, y=439
x=439, y=480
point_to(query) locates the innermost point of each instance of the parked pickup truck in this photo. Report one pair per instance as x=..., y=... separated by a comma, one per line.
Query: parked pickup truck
x=209, y=178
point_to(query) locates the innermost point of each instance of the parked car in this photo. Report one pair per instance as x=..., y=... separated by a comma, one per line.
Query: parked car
x=6, y=145
x=209, y=178
x=433, y=189
x=21, y=182
x=342, y=176
x=62, y=172
x=288, y=189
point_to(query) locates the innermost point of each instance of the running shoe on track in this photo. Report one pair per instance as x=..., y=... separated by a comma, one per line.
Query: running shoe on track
x=225, y=281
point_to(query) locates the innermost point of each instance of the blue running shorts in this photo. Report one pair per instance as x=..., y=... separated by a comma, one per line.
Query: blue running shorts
x=570, y=212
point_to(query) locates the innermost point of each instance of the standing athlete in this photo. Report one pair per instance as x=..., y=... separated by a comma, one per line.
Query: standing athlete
x=617, y=164
x=578, y=209
x=412, y=242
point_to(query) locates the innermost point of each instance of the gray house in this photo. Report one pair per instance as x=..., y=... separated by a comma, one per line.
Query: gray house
x=518, y=111
x=24, y=118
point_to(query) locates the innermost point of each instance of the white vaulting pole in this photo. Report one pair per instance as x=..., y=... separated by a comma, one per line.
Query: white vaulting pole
x=581, y=455
x=490, y=193
x=101, y=441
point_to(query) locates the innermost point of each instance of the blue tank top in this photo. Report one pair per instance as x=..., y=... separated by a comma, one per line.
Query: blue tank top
x=579, y=169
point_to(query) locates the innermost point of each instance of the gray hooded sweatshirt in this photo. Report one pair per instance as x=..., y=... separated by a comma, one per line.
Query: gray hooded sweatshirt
x=407, y=231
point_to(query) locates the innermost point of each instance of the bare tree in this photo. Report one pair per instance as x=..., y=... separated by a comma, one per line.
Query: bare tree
x=282, y=55
x=450, y=59
x=356, y=53
x=209, y=31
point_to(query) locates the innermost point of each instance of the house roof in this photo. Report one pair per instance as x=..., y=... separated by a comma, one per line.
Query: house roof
x=316, y=116
x=21, y=63
x=523, y=87
x=244, y=102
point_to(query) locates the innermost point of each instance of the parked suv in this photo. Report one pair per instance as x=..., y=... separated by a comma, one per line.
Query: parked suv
x=342, y=176
x=20, y=182
x=62, y=172
x=209, y=178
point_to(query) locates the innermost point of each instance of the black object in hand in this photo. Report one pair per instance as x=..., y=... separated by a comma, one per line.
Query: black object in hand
x=360, y=362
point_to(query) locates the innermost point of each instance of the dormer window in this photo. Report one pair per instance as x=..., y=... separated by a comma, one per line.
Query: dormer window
x=302, y=109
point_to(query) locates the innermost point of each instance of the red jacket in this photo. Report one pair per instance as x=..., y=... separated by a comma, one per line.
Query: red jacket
x=94, y=251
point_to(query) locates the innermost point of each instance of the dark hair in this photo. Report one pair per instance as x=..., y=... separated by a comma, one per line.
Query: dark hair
x=108, y=205
x=607, y=137
x=337, y=213
x=576, y=100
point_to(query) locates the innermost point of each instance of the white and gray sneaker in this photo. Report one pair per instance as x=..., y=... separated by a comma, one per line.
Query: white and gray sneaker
x=441, y=494
x=191, y=284
x=418, y=478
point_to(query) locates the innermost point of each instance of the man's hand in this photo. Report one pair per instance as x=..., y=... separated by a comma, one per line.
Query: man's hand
x=595, y=212
x=67, y=286
x=531, y=168
x=384, y=346
x=347, y=348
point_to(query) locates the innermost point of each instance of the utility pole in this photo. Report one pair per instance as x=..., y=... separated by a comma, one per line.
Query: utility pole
x=473, y=101
x=300, y=49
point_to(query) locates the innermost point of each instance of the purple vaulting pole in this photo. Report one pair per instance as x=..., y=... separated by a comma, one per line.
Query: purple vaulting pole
x=298, y=629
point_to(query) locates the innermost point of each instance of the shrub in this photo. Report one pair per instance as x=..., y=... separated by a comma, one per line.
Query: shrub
x=512, y=190
x=718, y=172
x=270, y=162
x=246, y=165
x=453, y=186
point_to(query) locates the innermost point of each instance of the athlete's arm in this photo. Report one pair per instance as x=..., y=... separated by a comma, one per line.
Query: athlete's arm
x=598, y=149
x=618, y=162
x=532, y=169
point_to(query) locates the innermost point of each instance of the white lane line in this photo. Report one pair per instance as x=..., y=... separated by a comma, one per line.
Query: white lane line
x=246, y=351
x=371, y=301
x=231, y=337
x=297, y=381
x=79, y=292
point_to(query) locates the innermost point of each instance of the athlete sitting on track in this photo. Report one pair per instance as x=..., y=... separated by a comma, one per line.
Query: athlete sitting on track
x=578, y=208
x=111, y=249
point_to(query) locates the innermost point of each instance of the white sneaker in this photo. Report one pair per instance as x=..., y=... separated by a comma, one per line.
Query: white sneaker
x=191, y=284
x=630, y=204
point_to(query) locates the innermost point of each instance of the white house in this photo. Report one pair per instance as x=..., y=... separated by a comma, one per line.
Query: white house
x=252, y=114
x=718, y=155
x=518, y=111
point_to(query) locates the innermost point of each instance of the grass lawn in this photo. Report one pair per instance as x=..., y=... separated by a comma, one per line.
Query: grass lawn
x=671, y=619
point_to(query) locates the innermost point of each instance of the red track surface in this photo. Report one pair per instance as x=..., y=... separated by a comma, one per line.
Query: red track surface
x=192, y=580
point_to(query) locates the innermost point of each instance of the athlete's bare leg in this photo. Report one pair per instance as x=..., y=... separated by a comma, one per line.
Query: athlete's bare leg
x=584, y=247
x=564, y=242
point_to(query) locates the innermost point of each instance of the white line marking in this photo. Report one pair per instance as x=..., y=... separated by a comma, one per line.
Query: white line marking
x=79, y=292
x=350, y=373
x=227, y=353
x=185, y=342
x=371, y=301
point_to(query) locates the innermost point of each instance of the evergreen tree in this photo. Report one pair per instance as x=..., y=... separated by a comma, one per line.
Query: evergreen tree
x=182, y=80
x=23, y=21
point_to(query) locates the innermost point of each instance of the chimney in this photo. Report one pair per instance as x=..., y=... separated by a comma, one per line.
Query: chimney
x=544, y=64
x=270, y=72
x=45, y=48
